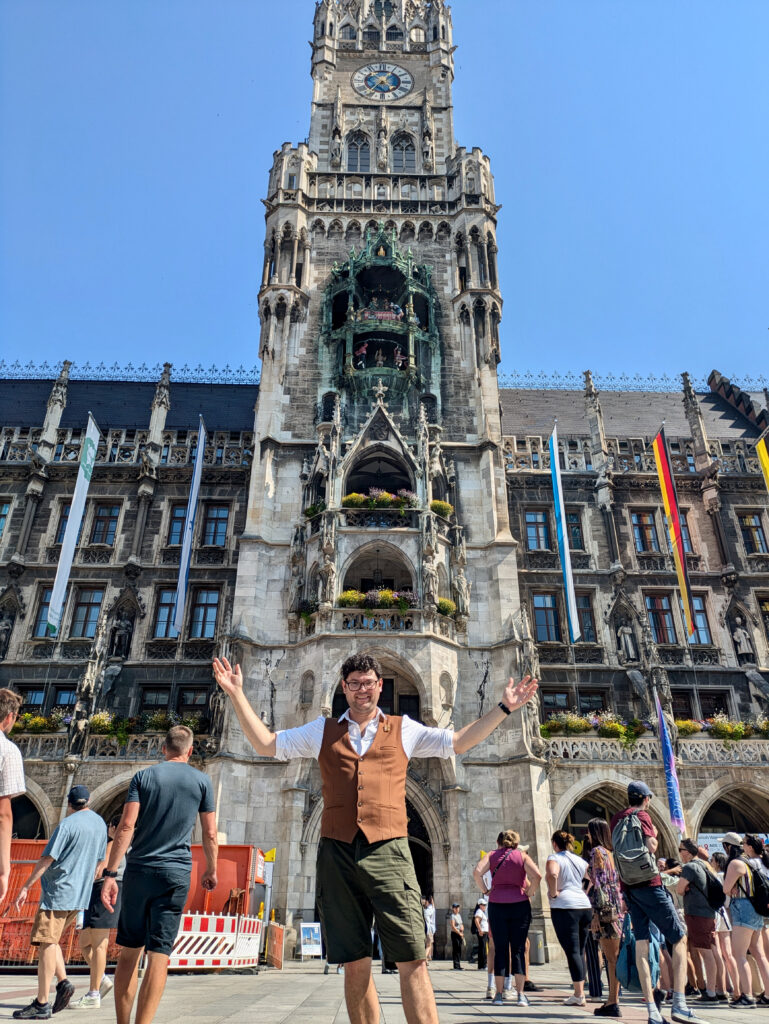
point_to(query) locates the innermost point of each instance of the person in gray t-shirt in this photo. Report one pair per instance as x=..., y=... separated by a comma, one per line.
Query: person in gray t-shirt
x=162, y=805
x=700, y=917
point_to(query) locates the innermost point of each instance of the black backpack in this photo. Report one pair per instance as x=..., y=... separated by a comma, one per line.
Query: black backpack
x=713, y=891
x=759, y=896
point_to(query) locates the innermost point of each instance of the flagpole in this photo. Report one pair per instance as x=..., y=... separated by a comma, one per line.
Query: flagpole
x=675, y=806
x=189, y=529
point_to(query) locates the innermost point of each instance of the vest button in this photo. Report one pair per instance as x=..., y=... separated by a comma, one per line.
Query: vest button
x=360, y=820
x=360, y=805
x=360, y=787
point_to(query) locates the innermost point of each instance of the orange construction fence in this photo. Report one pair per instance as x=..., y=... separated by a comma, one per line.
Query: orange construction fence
x=235, y=873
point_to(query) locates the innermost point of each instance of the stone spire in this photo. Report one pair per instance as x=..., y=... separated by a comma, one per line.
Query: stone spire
x=161, y=403
x=696, y=424
x=57, y=402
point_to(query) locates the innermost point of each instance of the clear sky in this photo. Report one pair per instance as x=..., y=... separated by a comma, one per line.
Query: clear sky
x=629, y=140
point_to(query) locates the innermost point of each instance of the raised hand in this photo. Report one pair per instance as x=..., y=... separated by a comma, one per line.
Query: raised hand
x=229, y=679
x=518, y=694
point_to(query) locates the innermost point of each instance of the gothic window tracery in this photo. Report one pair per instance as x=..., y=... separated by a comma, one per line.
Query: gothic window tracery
x=358, y=153
x=348, y=32
x=393, y=34
x=404, y=154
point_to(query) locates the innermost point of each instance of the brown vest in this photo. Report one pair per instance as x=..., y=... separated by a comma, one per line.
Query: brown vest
x=366, y=793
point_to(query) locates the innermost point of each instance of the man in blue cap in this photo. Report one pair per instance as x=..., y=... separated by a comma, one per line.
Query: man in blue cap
x=66, y=872
x=634, y=838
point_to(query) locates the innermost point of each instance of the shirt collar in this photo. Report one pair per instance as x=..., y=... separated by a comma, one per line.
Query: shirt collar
x=345, y=717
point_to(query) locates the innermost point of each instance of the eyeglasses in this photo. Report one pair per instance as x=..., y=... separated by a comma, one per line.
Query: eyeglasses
x=355, y=685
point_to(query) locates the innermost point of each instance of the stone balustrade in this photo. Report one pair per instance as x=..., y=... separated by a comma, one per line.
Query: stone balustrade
x=381, y=620
x=646, y=750
x=139, y=747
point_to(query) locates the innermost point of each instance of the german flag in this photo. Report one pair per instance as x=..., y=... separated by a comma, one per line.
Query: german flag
x=763, y=458
x=673, y=517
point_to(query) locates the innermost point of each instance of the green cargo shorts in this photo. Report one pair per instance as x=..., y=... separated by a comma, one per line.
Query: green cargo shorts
x=361, y=881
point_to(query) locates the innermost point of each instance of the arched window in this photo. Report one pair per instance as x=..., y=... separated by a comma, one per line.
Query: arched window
x=371, y=35
x=435, y=33
x=404, y=155
x=393, y=34
x=358, y=152
x=348, y=32
x=383, y=7
x=331, y=28
x=417, y=35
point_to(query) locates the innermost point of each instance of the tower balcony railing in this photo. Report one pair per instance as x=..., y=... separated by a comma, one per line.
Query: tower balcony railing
x=369, y=519
x=565, y=751
x=414, y=622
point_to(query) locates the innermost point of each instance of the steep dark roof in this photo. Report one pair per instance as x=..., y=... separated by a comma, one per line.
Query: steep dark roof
x=625, y=413
x=128, y=404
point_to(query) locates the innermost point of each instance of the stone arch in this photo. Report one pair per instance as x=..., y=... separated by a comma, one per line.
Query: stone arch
x=352, y=235
x=385, y=550
x=105, y=794
x=307, y=688
x=318, y=229
x=49, y=815
x=443, y=232
x=717, y=789
x=358, y=152
x=403, y=153
x=408, y=232
x=402, y=475
x=425, y=232
x=614, y=792
x=335, y=230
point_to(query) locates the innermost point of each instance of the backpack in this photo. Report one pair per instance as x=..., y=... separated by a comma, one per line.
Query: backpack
x=635, y=864
x=474, y=927
x=713, y=891
x=759, y=896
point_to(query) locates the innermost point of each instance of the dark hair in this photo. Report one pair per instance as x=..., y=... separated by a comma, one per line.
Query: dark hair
x=758, y=845
x=635, y=799
x=361, y=663
x=720, y=860
x=587, y=847
x=671, y=862
x=600, y=835
x=563, y=840
x=732, y=852
x=10, y=703
x=690, y=846
x=114, y=821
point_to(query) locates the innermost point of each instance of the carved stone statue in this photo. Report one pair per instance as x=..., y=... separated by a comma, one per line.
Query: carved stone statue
x=6, y=628
x=458, y=544
x=531, y=721
x=379, y=359
x=297, y=545
x=742, y=643
x=641, y=690
x=78, y=728
x=327, y=579
x=381, y=151
x=122, y=632
x=429, y=582
x=328, y=533
x=429, y=534
x=217, y=705
x=427, y=152
x=296, y=588
x=336, y=150
x=461, y=590
x=628, y=648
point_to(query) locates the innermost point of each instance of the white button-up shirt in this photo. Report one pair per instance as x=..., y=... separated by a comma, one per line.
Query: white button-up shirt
x=417, y=740
x=11, y=768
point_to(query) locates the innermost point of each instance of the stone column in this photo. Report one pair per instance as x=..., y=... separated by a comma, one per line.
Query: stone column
x=266, y=267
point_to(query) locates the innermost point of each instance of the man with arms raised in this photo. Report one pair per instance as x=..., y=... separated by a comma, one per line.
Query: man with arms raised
x=364, y=867
x=160, y=810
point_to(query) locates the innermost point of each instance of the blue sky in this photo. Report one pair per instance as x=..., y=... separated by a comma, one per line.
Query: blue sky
x=629, y=142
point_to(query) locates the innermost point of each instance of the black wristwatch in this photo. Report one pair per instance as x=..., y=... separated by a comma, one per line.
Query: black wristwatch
x=109, y=874
x=505, y=708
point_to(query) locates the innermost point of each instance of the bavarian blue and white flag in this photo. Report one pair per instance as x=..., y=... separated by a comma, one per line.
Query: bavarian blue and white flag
x=69, y=542
x=671, y=775
x=189, y=530
x=563, y=540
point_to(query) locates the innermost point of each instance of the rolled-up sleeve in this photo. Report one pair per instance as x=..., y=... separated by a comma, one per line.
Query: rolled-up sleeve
x=303, y=741
x=426, y=741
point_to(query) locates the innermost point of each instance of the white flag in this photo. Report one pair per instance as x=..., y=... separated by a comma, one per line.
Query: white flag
x=189, y=530
x=76, y=509
x=572, y=615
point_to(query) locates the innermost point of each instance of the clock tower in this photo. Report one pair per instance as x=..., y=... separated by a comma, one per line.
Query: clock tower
x=377, y=514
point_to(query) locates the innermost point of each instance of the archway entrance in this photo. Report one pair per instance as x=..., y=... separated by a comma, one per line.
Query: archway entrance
x=27, y=821
x=743, y=811
x=603, y=802
x=421, y=850
x=113, y=807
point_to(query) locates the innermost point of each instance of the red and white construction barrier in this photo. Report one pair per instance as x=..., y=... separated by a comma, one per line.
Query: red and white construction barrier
x=216, y=940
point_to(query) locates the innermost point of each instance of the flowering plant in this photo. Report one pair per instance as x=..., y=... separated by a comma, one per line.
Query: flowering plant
x=350, y=599
x=407, y=499
x=442, y=508
x=688, y=726
x=379, y=498
x=100, y=723
x=446, y=606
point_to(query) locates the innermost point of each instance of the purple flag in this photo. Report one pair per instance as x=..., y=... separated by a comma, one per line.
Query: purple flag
x=671, y=776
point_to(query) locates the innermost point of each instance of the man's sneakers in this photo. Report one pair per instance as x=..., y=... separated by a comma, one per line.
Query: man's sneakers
x=497, y=1000
x=522, y=1000
x=575, y=1001
x=686, y=1016
x=529, y=986
x=608, y=1010
x=90, y=1001
x=107, y=985
x=34, y=1011
x=509, y=994
x=64, y=992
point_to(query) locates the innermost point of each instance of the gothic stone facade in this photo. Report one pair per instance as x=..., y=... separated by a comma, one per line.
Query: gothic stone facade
x=380, y=318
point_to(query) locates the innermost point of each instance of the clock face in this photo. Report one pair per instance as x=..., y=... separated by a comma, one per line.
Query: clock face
x=383, y=82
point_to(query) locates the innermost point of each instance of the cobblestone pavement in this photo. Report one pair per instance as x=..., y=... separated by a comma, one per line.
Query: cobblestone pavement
x=303, y=994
